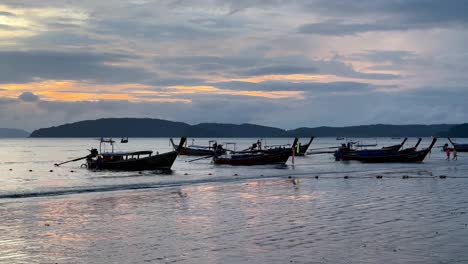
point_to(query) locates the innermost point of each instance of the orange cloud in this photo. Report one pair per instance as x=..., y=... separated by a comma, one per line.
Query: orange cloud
x=53, y=90
x=56, y=96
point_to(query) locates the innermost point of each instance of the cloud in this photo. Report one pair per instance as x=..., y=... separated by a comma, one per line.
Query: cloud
x=340, y=29
x=7, y=14
x=257, y=64
x=384, y=15
x=63, y=37
x=279, y=69
x=311, y=87
x=26, y=66
x=10, y=28
x=415, y=12
x=28, y=97
x=275, y=62
x=320, y=109
x=156, y=31
x=386, y=56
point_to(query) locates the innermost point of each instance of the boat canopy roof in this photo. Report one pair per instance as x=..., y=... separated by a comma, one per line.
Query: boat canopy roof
x=144, y=152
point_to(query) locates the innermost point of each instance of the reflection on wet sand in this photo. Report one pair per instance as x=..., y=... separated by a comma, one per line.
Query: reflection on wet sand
x=203, y=213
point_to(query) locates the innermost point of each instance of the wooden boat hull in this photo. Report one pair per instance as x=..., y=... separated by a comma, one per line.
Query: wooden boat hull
x=262, y=158
x=404, y=156
x=401, y=156
x=157, y=162
x=341, y=153
x=459, y=147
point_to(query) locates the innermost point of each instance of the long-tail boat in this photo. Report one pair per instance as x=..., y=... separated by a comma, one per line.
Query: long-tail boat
x=382, y=156
x=398, y=146
x=347, y=148
x=302, y=149
x=128, y=161
x=195, y=150
x=132, y=161
x=459, y=147
x=278, y=155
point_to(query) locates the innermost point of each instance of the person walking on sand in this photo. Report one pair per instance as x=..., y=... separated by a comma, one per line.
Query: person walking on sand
x=447, y=151
x=455, y=155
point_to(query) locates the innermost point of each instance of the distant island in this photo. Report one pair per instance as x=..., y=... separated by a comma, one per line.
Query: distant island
x=147, y=127
x=458, y=131
x=13, y=133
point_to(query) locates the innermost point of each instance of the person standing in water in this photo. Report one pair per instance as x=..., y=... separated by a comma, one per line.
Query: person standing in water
x=455, y=155
x=447, y=151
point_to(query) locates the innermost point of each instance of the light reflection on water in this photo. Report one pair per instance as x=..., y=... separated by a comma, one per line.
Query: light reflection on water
x=222, y=218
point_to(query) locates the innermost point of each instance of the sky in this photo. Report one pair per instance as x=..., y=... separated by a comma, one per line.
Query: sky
x=282, y=63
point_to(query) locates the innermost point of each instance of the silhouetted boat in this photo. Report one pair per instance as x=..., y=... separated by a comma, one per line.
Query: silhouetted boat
x=382, y=156
x=301, y=151
x=348, y=148
x=458, y=147
x=394, y=148
x=398, y=146
x=194, y=150
x=278, y=155
x=131, y=161
x=365, y=145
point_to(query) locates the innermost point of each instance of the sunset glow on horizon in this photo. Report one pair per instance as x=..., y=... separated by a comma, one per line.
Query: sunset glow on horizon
x=307, y=59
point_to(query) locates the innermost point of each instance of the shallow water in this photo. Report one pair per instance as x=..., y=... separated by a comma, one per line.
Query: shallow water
x=202, y=213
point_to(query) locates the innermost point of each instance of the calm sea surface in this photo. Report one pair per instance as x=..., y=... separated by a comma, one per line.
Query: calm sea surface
x=203, y=213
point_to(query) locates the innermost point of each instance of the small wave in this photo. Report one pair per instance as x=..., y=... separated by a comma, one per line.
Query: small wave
x=211, y=180
x=125, y=187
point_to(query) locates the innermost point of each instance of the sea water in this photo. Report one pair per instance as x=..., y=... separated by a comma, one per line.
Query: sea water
x=306, y=212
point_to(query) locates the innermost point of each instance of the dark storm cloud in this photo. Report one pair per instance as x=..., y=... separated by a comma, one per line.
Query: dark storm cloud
x=408, y=11
x=386, y=15
x=28, y=97
x=25, y=66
